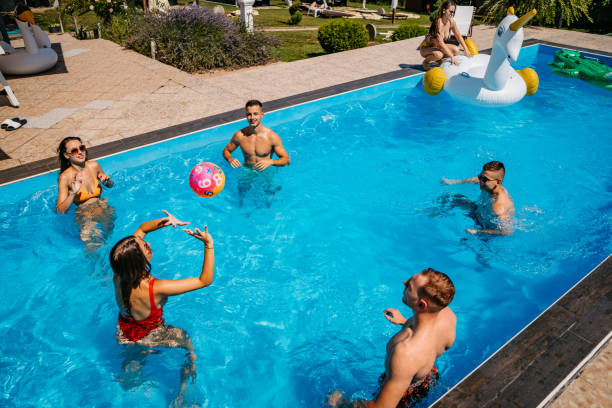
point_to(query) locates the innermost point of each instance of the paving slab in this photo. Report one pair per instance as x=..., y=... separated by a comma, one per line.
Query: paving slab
x=50, y=118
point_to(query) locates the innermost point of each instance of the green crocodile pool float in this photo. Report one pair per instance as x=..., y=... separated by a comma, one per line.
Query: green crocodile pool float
x=574, y=64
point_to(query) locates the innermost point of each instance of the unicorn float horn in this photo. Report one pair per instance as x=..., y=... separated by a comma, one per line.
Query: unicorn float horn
x=523, y=20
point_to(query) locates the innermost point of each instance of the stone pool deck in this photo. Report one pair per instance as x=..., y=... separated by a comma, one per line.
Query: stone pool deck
x=109, y=96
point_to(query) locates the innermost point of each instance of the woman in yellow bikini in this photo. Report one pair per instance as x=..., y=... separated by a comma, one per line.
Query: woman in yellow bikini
x=79, y=183
x=435, y=46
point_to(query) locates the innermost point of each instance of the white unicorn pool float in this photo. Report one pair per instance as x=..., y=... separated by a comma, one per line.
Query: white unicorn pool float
x=36, y=55
x=488, y=80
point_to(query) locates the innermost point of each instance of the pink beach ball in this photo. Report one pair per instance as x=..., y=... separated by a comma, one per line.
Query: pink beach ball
x=207, y=179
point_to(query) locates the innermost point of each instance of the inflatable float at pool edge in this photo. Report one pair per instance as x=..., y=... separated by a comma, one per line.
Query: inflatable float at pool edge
x=36, y=56
x=485, y=80
x=575, y=65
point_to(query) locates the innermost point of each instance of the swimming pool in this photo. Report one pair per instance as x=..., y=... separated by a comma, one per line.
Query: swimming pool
x=303, y=274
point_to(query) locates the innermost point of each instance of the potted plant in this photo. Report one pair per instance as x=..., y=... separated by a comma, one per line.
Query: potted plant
x=82, y=33
x=54, y=28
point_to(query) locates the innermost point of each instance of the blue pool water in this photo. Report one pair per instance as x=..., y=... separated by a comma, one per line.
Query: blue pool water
x=303, y=274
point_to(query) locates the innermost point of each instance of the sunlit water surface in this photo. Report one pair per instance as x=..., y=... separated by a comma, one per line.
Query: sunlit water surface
x=303, y=274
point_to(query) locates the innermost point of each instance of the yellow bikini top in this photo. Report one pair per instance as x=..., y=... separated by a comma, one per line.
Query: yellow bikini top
x=82, y=196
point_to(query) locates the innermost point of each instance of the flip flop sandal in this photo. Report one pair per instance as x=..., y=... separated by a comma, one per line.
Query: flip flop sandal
x=7, y=123
x=16, y=124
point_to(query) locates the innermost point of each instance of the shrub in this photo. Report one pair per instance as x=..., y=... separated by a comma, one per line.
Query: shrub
x=601, y=11
x=549, y=12
x=295, y=18
x=341, y=35
x=121, y=26
x=104, y=9
x=196, y=39
x=295, y=7
x=408, y=30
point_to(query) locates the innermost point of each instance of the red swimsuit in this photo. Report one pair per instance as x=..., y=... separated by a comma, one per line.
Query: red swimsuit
x=134, y=330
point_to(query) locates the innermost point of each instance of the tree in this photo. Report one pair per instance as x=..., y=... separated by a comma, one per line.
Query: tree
x=549, y=11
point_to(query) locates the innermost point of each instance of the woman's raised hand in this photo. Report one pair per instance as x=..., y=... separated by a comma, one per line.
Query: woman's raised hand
x=172, y=220
x=77, y=181
x=205, y=237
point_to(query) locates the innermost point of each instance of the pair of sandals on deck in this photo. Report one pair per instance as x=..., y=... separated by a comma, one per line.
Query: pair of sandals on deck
x=13, y=124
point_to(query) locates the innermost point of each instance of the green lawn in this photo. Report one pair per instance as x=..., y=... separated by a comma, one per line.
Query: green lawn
x=49, y=17
x=266, y=18
x=295, y=44
x=280, y=18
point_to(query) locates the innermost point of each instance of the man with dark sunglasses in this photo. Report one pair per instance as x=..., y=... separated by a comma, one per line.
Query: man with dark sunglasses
x=495, y=208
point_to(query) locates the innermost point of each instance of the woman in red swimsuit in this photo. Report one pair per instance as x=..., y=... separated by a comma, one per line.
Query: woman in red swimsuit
x=141, y=297
x=79, y=183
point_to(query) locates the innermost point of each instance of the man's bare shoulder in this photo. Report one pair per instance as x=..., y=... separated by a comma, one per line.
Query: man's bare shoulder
x=448, y=314
x=503, y=204
x=408, y=354
x=239, y=135
x=267, y=132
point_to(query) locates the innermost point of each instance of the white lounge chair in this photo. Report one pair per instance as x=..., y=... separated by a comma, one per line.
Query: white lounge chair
x=464, y=16
x=325, y=11
x=9, y=92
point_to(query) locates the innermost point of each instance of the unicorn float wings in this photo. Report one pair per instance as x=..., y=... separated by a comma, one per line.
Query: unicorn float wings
x=488, y=80
x=36, y=55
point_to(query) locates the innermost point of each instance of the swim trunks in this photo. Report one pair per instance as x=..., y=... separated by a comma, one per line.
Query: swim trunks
x=134, y=330
x=417, y=390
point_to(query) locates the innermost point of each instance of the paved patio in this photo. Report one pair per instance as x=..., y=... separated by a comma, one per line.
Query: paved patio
x=102, y=92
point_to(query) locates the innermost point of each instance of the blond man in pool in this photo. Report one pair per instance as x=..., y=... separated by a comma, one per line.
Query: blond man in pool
x=495, y=208
x=411, y=352
x=257, y=142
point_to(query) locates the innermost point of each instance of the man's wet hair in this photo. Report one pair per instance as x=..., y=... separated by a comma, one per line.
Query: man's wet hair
x=439, y=289
x=253, y=102
x=495, y=166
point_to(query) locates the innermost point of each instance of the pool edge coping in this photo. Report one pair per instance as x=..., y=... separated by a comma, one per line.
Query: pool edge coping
x=43, y=166
x=28, y=170
x=550, y=394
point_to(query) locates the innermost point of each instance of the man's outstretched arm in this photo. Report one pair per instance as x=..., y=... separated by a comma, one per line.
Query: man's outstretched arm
x=444, y=180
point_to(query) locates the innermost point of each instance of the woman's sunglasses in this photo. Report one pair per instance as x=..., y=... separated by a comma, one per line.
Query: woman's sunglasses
x=76, y=151
x=451, y=12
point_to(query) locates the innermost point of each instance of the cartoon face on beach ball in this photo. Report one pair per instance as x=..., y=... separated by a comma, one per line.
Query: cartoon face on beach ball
x=207, y=179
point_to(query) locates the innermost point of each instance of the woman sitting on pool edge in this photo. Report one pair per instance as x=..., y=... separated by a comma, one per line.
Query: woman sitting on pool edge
x=78, y=179
x=435, y=46
x=141, y=297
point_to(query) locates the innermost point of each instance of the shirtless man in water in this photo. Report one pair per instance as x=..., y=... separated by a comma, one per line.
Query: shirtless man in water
x=495, y=207
x=257, y=142
x=411, y=353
